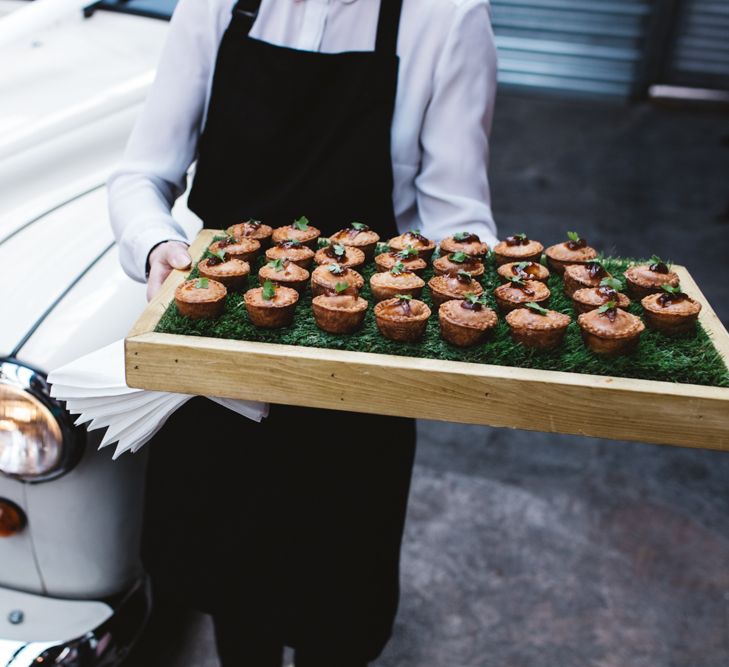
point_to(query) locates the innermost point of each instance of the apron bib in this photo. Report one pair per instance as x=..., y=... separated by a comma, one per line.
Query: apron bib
x=296, y=522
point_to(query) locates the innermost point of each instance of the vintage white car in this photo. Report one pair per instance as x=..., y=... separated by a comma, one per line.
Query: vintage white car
x=72, y=591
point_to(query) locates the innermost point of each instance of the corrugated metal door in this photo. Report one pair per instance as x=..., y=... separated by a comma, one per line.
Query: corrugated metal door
x=701, y=50
x=588, y=46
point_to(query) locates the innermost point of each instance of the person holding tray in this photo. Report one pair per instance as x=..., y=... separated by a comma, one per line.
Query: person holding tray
x=288, y=532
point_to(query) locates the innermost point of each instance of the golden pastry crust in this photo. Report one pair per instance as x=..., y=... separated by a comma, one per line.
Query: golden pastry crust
x=301, y=255
x=423, y=245
x=472, y=246
x=465, y=326
x=445, y=288
x=339, y=314
x=386, y=260
x=271, y=313
x=324, y=280
x=387, y=285
x=199, y=302
x=641, y=281
x=353, y=257
x=292, y=275
x=578, y=276
x=402, y=323
x=252, y=229
x=444, y=266
x=675, y=317
x=233, y=273
x=363, y=239
x=523, y=251
x=561, y=255
x=307, y=237
x=610, y=337
x=540, y=331
x=509, y=296
x=238, y=248
x=535, y=271
x=589, y=298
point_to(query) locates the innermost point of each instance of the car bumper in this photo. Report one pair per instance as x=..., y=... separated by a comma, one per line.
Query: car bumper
x=37, y=630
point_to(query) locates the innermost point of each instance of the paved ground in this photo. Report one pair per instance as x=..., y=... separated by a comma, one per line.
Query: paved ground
x=532, y=550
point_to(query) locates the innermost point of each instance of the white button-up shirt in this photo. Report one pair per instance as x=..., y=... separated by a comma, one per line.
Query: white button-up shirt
x=443, y=111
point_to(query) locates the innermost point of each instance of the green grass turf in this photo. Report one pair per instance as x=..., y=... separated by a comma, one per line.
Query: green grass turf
x=688, y=359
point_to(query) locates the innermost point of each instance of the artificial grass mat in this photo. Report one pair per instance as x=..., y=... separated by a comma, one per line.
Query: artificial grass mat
x=689, y=359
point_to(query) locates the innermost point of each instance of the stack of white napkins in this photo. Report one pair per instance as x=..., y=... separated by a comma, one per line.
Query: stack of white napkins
x=95, y=388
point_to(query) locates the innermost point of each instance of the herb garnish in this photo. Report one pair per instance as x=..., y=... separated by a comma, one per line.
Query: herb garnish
x=407, y=253
x=289, y=243
x=610, y=310
x=466, y=237
x=398, y=268
x=269, y=290
x=473, y=301
x=202, y=283
x=463, y=277
x=415, y=234
x=671, y=295
x=302, y=224
x=534, y=306
x=460, y=258
x=403, y=300
x=657, y=265
x=336, y=251
x=517, y=239
x=278, y=264
x=341, y=287
x=575, y=242
x=219, y=257
x=595, y=269
x=337, y=269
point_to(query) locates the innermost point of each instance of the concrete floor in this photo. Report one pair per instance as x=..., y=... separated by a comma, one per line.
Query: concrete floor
x=536, y=550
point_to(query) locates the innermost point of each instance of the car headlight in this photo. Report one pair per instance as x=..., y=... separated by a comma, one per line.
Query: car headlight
x=37, y=439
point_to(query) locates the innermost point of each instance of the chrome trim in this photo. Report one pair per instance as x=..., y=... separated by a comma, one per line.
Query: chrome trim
x=34, y=382
x=108, y=645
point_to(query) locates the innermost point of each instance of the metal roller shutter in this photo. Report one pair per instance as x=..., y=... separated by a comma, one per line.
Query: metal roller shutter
x=588, y=46
x=701, y=50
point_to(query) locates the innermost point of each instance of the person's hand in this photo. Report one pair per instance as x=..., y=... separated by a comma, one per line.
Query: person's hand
x=165, y=257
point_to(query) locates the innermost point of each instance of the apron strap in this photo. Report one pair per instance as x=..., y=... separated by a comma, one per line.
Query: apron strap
x=388, y=26
x=247, y=10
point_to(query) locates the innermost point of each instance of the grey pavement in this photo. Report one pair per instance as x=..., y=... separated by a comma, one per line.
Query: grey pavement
x=535, y=550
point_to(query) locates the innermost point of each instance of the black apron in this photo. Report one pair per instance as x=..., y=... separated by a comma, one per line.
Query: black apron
x=297, y=521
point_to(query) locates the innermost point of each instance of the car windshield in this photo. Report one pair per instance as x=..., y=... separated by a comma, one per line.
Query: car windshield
x=159, y=9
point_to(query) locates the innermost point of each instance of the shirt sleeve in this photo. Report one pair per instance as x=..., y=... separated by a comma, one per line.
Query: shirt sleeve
x=153, y=170
x=452, y=187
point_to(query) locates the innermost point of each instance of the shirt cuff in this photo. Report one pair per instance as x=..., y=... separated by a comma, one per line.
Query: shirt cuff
x=134, y=250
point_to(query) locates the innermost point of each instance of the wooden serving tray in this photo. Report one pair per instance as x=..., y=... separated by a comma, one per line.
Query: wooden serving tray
x=475, y=393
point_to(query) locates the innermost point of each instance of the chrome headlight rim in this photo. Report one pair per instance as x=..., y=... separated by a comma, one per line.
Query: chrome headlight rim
x=35, y=382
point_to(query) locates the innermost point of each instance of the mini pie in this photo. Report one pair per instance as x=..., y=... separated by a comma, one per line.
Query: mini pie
x=577, y=276
x=517, y=248
x=233, y=273
x=285, y=273
x=326, y=278
x=293, y=251
x=610, y=331
x=402, y=320
x=414, y=239
x=237, y=247
x=272, y=313
x=570, y=252
x=341, y=314
x=649, y=278
x=458, y=261
x=252, y=229
x=589, y=298
x=357, y=236
x=466, y=322
x=523, y=271
x=200, y=298
x=538, y=327
x=410, y=257
x=445, y=288
x=385, y=285
x=671, y=313
x=300, y=231
x=465, y=242
x=516, y=293
x=336, y=253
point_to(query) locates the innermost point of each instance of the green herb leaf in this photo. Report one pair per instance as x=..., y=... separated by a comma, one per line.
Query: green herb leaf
x=269, y=290
x=459, y=257
x=339, y=250
x=521, y=236
x=322, y=242
x=473, y=298
x=655, y=259
x=221, y=255
x=404, y=297
x=533, y=305
x=336, y=269
x=461, y=236
x=409, y=252
x=341, y=287
x=515, y=280
x=360, y=227
x=610, y=305
x=523, y=265
x=612, y=283
x=302, y=224
x=464, y=275
x=202, y=283
x=277, y=265
x=397, y=269
x=573, y=236
x=671, y=290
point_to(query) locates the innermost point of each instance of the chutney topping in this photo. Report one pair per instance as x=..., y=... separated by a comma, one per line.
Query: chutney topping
x=406, y=253
x=338, y=269
x=355, y=228
x=575, y=242
x=473, y=301
x=218, y=258
x=596, y=270
x=671, y=295
x=609, y=310
x=336, y=251
x=518, y=283
x=517, y=240
x=657, y=265
x=250, y=227
x=417, y=236
x=289, y=243
x=525, y=270
x=466, y=237
x=228, y=241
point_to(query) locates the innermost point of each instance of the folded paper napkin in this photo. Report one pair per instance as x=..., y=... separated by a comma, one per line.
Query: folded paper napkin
x=94, y=387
